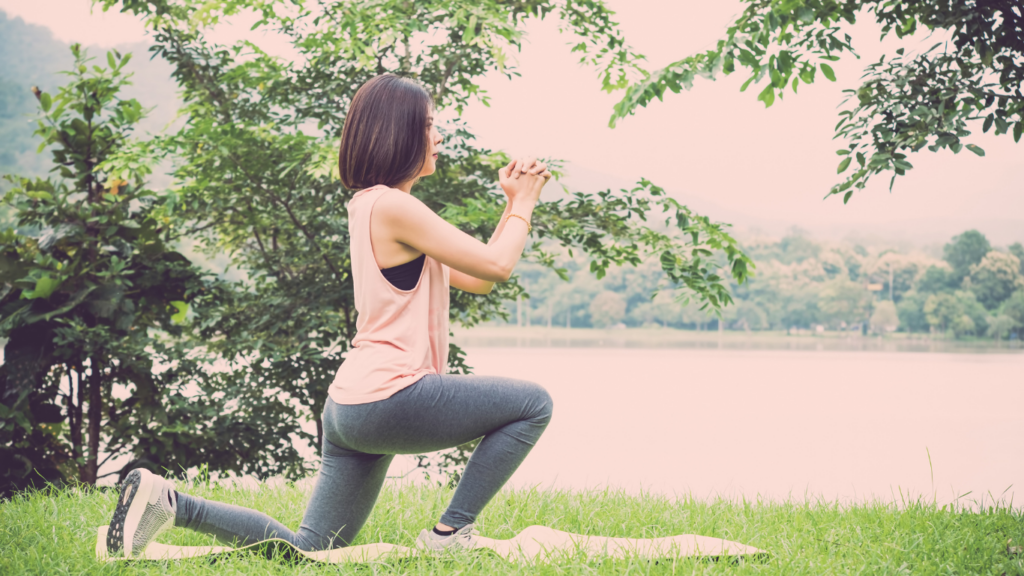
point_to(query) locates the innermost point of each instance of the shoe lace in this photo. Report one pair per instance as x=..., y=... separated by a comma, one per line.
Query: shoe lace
x=467, y=535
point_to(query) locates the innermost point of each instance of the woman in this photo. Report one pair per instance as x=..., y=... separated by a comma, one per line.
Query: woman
x=391, y=395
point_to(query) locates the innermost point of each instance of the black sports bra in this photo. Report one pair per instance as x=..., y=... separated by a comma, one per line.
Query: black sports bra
x=405, y=276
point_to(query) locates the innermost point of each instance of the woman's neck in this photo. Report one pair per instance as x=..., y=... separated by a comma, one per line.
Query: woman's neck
x=406, y=186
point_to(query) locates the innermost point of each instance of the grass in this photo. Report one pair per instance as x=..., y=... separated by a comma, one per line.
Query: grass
x=54, y=532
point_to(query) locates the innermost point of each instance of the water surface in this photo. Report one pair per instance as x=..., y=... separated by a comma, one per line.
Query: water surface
x=848, y=426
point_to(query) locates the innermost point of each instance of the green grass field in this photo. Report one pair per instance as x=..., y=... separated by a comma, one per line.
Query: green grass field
x=54, y=532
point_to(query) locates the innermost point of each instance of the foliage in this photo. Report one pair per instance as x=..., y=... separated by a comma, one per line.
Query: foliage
x=1000, y=327
x=607, y=309
x=911, y=312
x=938, y=279
x=257, y=180
x=964, y=251
x=885, y=318
x=1017, y=249
x=1014, y=308
x=795, y=289
x=844, y=302
x=959, y=312
x=994, y=278
x=905, y=102
x=87, y=275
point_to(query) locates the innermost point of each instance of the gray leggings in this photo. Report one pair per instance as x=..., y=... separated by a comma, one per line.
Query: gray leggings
x=360, y=441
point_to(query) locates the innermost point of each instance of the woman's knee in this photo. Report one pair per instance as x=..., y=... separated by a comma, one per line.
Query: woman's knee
x=540, y=404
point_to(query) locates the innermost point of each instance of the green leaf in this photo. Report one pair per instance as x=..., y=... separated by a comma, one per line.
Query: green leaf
x=110, y=60
x=44, y=287
x=45, y=101
x=1018, y=129
x=743, y=88
x=988, y=123
x=842, y=152
x=843, y=165
x=182, y=308
x=470, y=32
x=39, y=195
x=827, y=71
x=767, y=96
x=976, y=149
x=846, y=197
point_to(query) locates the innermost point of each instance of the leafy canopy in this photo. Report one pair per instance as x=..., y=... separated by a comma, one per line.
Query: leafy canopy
x=906, y=102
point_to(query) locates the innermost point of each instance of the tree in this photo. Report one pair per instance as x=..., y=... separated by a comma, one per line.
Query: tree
x=884, y=319
x=964, y=251
x=256, y=169
x=93, y=298
x=801, y=308
x=842, y=301
x=662, y=310
x=1017, y=249
x=994, y=278
x=1014, y=308
x=959, y=312
x=942, y=310
x=748, y=316
x=1000, y=326
x=896, y=273
x=905, y=102
x=911, y=312
x=607, y=309
x=936, y=280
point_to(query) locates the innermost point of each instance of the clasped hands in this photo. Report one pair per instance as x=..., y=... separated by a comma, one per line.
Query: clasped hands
x=523, y=178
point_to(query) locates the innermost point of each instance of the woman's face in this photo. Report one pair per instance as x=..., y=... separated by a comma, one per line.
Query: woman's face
x=433, y=145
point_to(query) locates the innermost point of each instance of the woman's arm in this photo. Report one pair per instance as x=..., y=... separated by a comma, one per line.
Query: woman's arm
x=409, y=221
x=467, y=283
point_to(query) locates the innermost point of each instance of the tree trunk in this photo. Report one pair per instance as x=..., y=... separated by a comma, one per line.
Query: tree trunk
x=75, y=399
x=88, y=474
x=319, y=430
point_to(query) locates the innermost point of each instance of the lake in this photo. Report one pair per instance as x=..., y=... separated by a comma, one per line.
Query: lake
x=773, y=424
x=780, y=424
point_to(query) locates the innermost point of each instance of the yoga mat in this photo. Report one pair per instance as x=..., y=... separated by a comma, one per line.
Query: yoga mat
x=536, y=543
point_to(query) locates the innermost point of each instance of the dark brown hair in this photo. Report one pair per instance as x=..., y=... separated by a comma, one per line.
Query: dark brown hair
x=384, y=140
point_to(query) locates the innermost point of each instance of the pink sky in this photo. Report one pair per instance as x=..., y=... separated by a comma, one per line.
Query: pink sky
x=714, y=147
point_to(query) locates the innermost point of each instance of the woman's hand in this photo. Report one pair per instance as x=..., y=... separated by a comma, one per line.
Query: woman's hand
x=523, y=178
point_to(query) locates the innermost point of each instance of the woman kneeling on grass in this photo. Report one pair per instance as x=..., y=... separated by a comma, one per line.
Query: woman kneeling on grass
x=391, y=395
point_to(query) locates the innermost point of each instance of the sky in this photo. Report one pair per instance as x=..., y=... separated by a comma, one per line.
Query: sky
x=714, y=148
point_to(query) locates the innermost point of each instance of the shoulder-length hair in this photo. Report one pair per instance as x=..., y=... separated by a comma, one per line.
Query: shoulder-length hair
x=384, y=140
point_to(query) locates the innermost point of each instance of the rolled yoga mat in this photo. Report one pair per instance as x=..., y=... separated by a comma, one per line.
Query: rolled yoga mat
x=536, y=543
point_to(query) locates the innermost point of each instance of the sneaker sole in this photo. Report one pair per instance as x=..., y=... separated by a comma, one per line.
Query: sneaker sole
x=131, y=504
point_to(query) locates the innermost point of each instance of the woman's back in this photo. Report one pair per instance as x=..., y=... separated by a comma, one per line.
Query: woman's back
x=401, y=334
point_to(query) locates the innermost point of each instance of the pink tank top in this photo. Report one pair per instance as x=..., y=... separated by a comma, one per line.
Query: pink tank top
x=401, y=335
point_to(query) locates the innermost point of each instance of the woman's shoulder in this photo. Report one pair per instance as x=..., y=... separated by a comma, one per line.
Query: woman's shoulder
x=396, y=202
x=380, y=188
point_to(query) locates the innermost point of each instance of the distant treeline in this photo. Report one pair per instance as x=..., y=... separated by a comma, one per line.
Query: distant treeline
x=973, y=290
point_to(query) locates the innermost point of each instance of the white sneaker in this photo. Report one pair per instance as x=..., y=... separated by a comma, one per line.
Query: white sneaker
x=465, y=538
x=146, y=506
